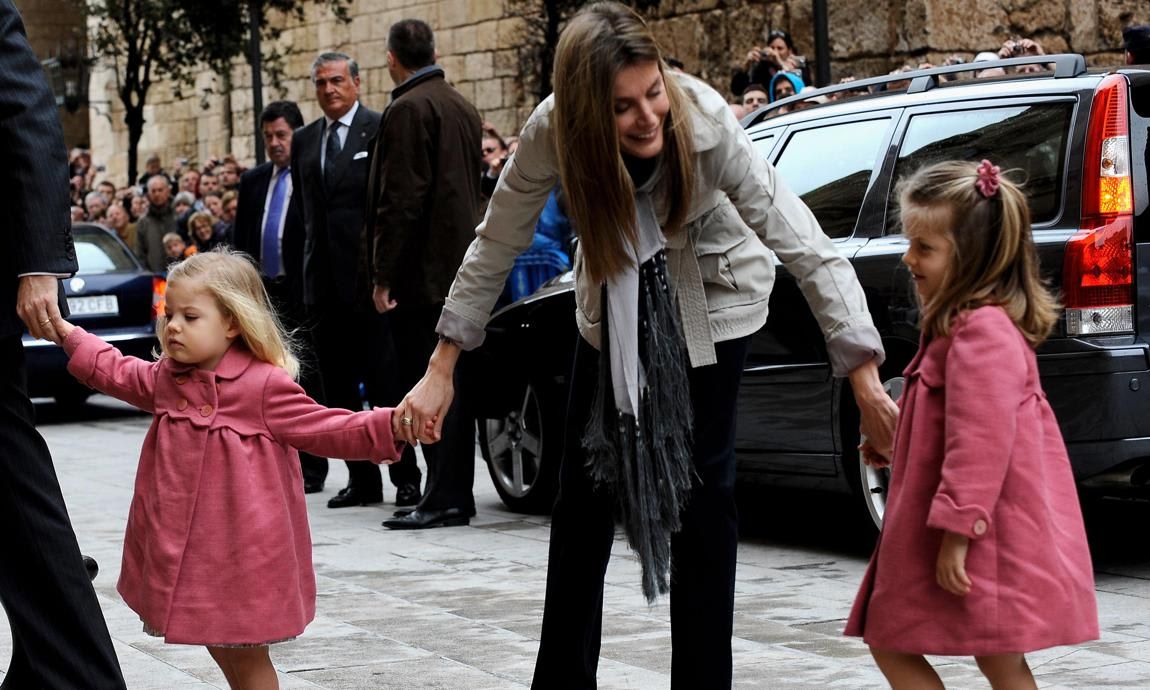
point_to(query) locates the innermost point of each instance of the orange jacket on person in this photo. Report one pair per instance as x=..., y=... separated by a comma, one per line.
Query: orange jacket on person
x=218, y=549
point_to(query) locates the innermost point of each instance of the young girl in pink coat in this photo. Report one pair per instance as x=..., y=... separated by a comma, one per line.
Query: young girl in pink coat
x=218, y=550
x=983, y=552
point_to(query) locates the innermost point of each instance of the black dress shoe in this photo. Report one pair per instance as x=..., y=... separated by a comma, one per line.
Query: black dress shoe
x=354, y=497
x=407, y=495
x=312, y=487
x=403, y=512
x=422, y=519
x=91, y=566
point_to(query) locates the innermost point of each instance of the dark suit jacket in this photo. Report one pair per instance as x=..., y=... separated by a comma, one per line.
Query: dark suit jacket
x=248, y=233
x=333, y=210
x=34, y=195
x=424, y=192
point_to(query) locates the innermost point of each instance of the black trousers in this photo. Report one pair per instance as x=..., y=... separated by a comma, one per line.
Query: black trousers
x=59, y=636
x=702, y=553
x=295, y=319
x=355, y=347
x=451, y=461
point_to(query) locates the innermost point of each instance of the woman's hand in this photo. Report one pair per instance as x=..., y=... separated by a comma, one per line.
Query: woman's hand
x=872, y=457
x=878, y=414
x=951, y=569
x=422, y=410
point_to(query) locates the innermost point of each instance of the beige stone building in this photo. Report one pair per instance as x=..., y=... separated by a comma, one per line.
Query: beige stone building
x=485, y=44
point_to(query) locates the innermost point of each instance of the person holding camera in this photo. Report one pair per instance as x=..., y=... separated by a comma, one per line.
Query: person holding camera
x=495, y=154
x=763, y=63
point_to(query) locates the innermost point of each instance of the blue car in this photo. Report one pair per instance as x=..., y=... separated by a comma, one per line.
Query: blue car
x=112, y=296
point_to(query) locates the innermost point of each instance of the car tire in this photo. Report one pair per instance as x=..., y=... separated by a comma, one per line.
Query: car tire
x=523, y=450
x=870, y=484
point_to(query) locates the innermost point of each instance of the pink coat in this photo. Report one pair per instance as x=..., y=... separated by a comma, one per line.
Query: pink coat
x=218, y=549
x=978, y=453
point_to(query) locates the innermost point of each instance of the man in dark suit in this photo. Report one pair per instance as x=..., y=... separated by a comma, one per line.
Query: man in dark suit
x=269, y=227
x=329, y=166
x=424, y=204
x=59, y=638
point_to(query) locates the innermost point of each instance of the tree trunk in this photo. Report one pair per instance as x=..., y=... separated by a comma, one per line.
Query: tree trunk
x=255, y=61
x=134, y=118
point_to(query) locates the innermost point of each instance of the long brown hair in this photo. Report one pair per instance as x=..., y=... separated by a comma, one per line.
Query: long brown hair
x=994, y=260
x=597, y=44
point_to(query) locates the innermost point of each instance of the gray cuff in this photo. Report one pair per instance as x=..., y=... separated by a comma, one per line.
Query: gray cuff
x=854, y=346
x=466, y=333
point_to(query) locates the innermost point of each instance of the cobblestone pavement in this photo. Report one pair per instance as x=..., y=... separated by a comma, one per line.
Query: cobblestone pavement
x=461, y=607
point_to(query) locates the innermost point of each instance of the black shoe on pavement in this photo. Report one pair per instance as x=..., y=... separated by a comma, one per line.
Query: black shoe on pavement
x=407, y=495
x=312, y=487
x=422, y=519
x=91, y=566
x=354, y=497
x=403, y=512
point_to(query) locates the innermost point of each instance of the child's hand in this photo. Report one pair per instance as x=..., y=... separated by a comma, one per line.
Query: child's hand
x=951, y=569
x=872, y=457
x=62, y=328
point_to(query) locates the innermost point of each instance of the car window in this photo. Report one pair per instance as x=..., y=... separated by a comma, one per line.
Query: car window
x=830, y=168
x=763, y=146
x=1028, y=142
x=99, y=252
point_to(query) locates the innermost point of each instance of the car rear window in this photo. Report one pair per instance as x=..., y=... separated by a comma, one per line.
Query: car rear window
x=99, y=252
x=1028, y=142
x=830, y=168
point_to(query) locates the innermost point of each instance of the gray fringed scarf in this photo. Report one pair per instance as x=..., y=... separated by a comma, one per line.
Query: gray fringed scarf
x=638, y=439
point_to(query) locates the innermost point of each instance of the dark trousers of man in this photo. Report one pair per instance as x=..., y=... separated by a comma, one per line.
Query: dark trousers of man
x=59, y=637
x=451, y=461
x=294, y=318
x=703, y=552
x=353, y=344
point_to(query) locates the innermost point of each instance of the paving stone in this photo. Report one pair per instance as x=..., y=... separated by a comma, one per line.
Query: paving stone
x=461, y=608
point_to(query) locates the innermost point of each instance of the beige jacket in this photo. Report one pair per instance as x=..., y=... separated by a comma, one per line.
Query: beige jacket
x=720, y=262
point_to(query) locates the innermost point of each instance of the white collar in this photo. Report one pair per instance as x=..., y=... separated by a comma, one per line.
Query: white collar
x=346, y=119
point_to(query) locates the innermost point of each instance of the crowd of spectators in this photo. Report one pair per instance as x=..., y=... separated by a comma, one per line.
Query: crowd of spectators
x=776, y=71
x=167, y=214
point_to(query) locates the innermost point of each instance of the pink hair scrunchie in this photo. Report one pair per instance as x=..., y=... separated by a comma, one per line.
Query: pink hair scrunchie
x=987, y=181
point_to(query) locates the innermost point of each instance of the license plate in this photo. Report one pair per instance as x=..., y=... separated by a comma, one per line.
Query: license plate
x=96, y=305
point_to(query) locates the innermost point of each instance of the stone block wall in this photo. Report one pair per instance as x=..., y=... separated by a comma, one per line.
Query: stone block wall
x=482, y=45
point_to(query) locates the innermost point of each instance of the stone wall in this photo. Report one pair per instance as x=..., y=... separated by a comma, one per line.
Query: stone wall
x=55, y=27
x=482, y=44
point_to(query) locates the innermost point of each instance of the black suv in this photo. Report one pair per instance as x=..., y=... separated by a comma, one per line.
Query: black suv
x=1076, y=138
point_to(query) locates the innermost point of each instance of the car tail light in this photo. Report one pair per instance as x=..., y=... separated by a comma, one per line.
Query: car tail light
x=1098, y=266
x=159, y=290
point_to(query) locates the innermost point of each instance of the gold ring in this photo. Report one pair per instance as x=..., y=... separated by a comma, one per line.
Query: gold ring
x=45, y=322
x=406, y=421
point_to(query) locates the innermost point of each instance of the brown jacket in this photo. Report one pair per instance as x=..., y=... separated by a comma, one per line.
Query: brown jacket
x=424, y=197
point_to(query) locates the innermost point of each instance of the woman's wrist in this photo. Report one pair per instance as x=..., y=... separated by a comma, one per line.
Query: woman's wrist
x=445, y=356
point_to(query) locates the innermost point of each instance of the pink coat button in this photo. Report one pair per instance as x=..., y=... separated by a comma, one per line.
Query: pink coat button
x=181, y=380
x=182, y=405
x=206, y=411
x=979, y=527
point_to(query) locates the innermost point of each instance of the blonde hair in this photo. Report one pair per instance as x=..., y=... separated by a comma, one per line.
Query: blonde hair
x=994, y=260
x=596, y=45
x=231, y=277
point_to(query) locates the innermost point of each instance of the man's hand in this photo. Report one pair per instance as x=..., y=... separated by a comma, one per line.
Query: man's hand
x=37, y=306
x=951, y=568
x=381, y=296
